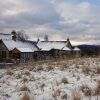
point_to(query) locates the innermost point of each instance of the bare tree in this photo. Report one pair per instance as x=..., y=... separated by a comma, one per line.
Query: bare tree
x=21, y=35
x=46, y=38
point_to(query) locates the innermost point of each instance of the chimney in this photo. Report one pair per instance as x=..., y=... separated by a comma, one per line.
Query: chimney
x=13, y=35
x=67, y=39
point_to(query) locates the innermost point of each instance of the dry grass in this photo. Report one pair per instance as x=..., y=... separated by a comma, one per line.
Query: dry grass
x=76, y=95
x=18, y=76
x=77, y=66
x=24, y=80
x=63, y=66
x=86, y=90
x=78, y=78
x=24, y=88
x=31, y=68
x=98, y=70
x=27, y=73
x=56, y=94
x=42, y=85
x=86, y=70
x=25, y=97
x=39, y=68
x=9, y=72
x=64, y=96
x=64, y=80
x=97, y=90
x=50, y=67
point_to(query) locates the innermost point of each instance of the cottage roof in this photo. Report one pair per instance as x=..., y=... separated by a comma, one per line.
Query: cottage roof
x=48, y=45
x=66, y=48
x=25, y=49
x=76, y=49
x=22, y=45
x=4, y=36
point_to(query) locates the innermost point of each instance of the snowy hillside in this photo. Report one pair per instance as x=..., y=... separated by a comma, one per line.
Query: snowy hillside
x=77, y=79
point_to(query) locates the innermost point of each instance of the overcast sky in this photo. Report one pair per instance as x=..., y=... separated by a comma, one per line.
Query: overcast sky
x=77, y=19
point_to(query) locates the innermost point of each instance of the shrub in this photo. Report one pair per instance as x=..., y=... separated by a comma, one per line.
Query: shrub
x=50, y=67
x=24, y=80
x=78, y=78
x=24, y=88
x=31, y=68
x=42, y=85
x=39, y=68
x=18, y=76
x=86, y=70
x=27, y=73
x=64, y=80
x=9, y=72
x=56, y=94
x=64, y=97
x=86, y=90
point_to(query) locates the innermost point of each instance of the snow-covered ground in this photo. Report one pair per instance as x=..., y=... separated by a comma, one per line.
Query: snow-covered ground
x=76, y=79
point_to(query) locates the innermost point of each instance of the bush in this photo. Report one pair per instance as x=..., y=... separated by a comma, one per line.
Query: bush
x=9, y=72
x=64, y=80
x=24, y=88
x=27, y=73
x=50, y=67
x=24, y=80
x=86, y=90
x=86, y=70
x=64, y=96
x=56, y=94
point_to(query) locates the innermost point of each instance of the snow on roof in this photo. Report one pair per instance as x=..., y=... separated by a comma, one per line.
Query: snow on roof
x=5, y=36
x=46, y=46
x=25, y=49
x=66, y=48
x=11, y=44
x=76, y=49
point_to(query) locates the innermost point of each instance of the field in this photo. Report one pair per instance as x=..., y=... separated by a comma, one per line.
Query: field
x=73, y=79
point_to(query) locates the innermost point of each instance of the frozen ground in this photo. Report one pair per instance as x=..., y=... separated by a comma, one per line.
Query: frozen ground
x=77, y=79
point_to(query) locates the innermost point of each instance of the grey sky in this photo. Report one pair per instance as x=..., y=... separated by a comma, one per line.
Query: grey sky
x=77, y=19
